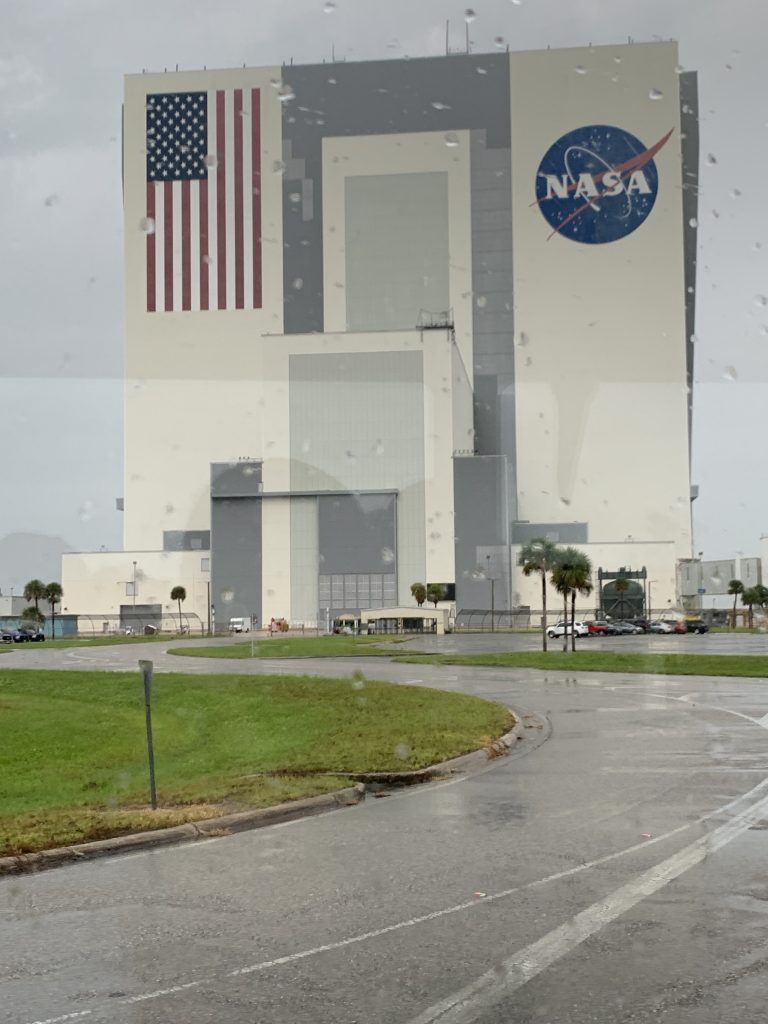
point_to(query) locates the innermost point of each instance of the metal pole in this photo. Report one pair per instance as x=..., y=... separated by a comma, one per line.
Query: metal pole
x=493, y=608
x=209, y=607
x=146, y=671
x=133, y=588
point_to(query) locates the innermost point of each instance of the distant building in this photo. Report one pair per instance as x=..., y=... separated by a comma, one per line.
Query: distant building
x=387, y=321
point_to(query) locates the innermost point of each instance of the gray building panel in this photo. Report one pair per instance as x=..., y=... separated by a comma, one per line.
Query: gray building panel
x=186, y=540
x=376, y=98
x=558, y=533
x=482, y=531
x=235, y=479
x=357, y=533
x=689, y=124
x=236, y=558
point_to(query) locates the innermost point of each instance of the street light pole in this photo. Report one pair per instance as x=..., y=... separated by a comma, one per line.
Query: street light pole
x=133, y=589
x=492, y=582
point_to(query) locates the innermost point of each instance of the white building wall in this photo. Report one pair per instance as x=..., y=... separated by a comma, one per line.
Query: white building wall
x=96, y=583
x=602, y=432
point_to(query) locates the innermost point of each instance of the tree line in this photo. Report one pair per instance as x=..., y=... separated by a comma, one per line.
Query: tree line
x=570, y=572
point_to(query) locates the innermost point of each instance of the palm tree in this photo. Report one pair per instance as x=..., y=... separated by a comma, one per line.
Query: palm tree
x=35, y=591
x=435, y=593
x=179, y=594
x=735, y=587
x=571, y=575
x=621, y=586
x=419, y=593
x=53, y=595
x=751, y=596
x=539, y=556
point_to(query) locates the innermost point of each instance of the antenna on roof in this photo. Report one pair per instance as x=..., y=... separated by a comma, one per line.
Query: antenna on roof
x=177, y=67
x=447, y=26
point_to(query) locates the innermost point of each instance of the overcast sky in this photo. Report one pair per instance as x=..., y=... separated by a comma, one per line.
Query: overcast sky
x=61, y=68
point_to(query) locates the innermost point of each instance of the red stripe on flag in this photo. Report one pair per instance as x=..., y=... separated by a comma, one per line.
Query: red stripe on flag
x=204, y=251
x=168, y=239
x=256, y=198
x=239, y=226
x=151, y=296
x=221, y=202
x=186, y=247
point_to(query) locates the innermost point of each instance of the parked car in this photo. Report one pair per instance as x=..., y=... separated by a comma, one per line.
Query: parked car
x=559, y=628
x=697, y=626
x=600, y=627
x=660, y=627
x=6, y=636
x=27, y=634
x=642, y=624
x=626, y=629
x=678, y=625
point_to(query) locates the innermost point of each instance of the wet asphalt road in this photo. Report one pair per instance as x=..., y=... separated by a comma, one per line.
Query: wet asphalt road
x=614, y=869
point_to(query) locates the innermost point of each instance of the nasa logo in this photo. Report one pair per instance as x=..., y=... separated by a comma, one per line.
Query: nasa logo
x=598, y=183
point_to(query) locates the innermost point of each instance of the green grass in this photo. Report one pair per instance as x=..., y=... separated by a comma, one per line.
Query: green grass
x=73, y=753
x=100, y=640
x=297, y=647
x=609, y=661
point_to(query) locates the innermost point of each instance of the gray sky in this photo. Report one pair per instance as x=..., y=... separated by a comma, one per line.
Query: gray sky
x=61, y=68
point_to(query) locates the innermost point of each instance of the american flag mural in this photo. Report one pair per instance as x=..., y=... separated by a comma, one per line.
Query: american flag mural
x=204, y=200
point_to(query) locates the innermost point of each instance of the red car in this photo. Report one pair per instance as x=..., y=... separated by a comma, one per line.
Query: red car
x=598, y=627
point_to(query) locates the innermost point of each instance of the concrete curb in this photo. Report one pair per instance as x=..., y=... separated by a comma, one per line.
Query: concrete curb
x=224, y=825
x=228, y=824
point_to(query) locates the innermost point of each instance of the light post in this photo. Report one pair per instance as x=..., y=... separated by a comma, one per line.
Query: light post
x=493, y=583
x=133, y=590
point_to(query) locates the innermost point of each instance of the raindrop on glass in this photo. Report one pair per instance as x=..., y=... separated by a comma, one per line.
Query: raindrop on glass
x=403, y=751
x=711, y=159
x=761, y=300
x=481, y=301
x=693, y=222
x=329, y=7
x=286, y=93
x=278, y=167
x=147, y=225
x=440, y=106
x=735, y=193
x=210, y=160
x=523, y=339
x=295, y=197
x=469, y=15
x=298, y=283
x=729, y=373
x=387, y=556
x=580, y=69
x=679, y=69
x=227, y=596
x=451, y=139
x=481, y=71
x=499, y=43
x=305, y=446
x=378, y=448
x=655, y=94
x=357, y=684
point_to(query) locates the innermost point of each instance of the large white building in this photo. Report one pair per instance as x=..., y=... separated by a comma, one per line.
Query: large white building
x=387, y=321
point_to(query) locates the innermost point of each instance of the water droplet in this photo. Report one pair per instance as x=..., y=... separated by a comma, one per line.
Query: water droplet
x=298, y=283
x=679, y=69
x=761, y=300
x=693, y=339
x=357, y=684
x=711, y=159
x=481, y=71
x=387, y=556
x=693, y=222
x=580, y=69
x=655, y=94
x=499, y=43
x=295, y=197
x=523, y=339
x=729, y=373
x=617, y=60
x=517, y=3
x=51, y=199
x=147, y=225
x=207, y=260
x=286, y=93
x=278, y=167
x=481, y=301
x=403, y=751
x=329, y=7
x=378, y=448
x=451, y=139
x=331, y=81
x=440, y=106
x=469, y=15
x=248, y=470
x=210, y=160
x=227, y=596
x=716, y=215
x=169, y=509
x=565, y=501
x=86, y=511
x=735, y=193
x=350, y=456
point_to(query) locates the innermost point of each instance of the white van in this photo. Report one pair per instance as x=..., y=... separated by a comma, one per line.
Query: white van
x=240, y=624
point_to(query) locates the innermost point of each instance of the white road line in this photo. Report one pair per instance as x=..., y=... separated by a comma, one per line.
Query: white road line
x=504, y=894
x=162, y=992
x=497, y=984
x=67, y=1016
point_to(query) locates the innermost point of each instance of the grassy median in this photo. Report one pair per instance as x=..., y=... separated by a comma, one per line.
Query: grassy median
x=752, y=665
x=73, y=751
x=334, y=646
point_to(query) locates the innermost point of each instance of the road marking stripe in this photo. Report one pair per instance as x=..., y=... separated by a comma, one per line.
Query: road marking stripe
x=497, y=984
